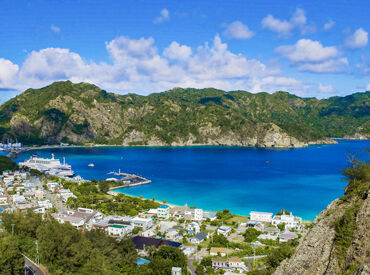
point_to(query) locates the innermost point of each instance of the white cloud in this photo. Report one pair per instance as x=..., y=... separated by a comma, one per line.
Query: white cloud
x=238, y=30
x=326, y=89
x=177, y=52
x=164, y=16
x=358, y=39
x=328, y=66
x=8, y=72
x=55, y=29
x=306, y=50
x=137, y=66
x=329, y=25
x=284, y=27
x=312, y=56
x=368, y=87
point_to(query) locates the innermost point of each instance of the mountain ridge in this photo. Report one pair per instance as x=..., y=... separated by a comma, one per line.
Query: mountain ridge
x=85, y=114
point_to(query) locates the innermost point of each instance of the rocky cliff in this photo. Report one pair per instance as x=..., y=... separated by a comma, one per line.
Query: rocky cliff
x=84, y=114
x=339, y=241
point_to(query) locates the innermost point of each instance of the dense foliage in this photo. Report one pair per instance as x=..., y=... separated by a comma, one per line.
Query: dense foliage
x=65, y=250
x=81, y=113
x=93, y=195
x=7, y=164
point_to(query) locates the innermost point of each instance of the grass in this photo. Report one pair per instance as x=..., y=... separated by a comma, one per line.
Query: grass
x=238, y=219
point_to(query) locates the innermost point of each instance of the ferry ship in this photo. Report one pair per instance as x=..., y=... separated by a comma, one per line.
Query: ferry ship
x=51, y=166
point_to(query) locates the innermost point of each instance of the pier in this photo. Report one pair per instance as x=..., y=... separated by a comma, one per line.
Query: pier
x=129, y=180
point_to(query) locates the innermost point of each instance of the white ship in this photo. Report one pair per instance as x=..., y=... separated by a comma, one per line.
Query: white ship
x=50, y=166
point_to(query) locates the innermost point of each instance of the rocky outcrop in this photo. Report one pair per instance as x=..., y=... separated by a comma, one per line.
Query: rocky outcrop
x=339, y=240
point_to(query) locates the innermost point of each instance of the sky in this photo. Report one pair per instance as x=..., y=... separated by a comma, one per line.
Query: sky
x=308, y=48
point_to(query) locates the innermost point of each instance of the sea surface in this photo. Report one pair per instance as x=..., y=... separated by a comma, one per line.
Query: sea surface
x=303, y=180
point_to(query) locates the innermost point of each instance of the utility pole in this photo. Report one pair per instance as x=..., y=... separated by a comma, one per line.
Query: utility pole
x=13, y=228
x=254, y=255
x=37, y=251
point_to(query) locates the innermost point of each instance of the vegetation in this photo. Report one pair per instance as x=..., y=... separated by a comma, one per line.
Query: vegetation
x=65, y=250
x=93, y=195
x=91, y=115
x=7, y=164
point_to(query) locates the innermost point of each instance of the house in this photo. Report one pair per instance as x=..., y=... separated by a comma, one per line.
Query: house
x=287, y=236
x=143, y=223
x=179, y=211
x=119, y=230
x=219, y=263
x=163, y=212
x=148, y=233
x=289, y=220
x=261, y=216
x=142, y=242
x=267, y=237
x=3, y=199
x=172, y=233
x=216, y=250
x=75, y=221
x=165, y=225
x=197, y=239
x=176, y=270
x=188, y=251
x=193, y=228
x=45, y=203
x=236, y=264
x=193, y=214
x=271, y=230
x=52, y=185
x=224, y=230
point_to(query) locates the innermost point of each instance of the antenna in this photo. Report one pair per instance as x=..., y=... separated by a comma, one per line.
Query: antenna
x=37, y=251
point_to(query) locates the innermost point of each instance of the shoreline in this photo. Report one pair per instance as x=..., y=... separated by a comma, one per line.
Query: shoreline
x=171, y=205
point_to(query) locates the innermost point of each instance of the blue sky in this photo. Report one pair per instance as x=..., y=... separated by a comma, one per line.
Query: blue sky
x=309, y=48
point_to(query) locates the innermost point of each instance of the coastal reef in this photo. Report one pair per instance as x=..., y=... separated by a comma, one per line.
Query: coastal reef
x=84, y=114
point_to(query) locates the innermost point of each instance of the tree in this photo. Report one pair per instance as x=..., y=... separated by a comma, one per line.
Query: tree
x=103, y=186
x=11, y=259
x=173, y=254
x=281, y=226
x=251, y=235
x=218, y=240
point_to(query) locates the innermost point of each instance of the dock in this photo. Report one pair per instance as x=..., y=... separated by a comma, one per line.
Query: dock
x=129, y=180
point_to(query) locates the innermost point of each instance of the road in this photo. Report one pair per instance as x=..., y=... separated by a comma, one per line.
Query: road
x=31, y=268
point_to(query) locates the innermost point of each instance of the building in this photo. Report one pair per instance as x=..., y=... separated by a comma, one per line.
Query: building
x=219, y=263
x=119, y=230
x=163, y=212
x=197, y=239
x=142, y=242
x=261, y=216
x=289, y=220
x=176, y=271
x=188, y=251
x=193, y=228
x=143, y=223
x=287, y=236
x=224, y=230
x=75, y=221
x=267, y=237
x=236, y=264
x=216, y=250
x=193, y=214
x=148, y=233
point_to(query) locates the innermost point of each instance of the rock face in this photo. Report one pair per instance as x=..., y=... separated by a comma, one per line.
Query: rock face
x=336, y=244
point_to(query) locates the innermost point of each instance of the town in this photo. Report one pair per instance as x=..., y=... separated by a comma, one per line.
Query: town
x=215, y=242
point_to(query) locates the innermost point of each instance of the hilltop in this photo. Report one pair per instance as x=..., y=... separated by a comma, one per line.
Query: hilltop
x=85, y=114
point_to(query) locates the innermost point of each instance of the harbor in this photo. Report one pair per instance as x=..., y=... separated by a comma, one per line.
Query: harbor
x=128, y=180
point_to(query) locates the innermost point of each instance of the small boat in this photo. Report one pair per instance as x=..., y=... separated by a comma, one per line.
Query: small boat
x=91, y=165
x=267, y=161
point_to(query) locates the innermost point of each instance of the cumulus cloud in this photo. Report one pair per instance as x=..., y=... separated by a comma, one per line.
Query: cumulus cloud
x=306, y=50
x=237, y=30
x=136, y=65
x=312, y=56
x=285, y=28
x=326, y=89
x=329, y=25
x=177, y=52
x=8, y=72
x=164, y=16
x=55, y=29
x=358, y=39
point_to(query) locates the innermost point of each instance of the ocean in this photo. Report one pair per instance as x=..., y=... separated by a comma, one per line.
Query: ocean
x=303, y=181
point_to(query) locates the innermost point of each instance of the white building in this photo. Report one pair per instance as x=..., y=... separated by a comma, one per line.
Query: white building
x=289, y=220
x=236, y=264
x=193, y=226
x=75, y=221
x=119, y=230
x=224, y=230
x=45, y=204
x=163, y=212
x=143, y=223
x=261, y=216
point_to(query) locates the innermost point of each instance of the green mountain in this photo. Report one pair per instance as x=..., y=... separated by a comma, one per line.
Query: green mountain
x=85, y=114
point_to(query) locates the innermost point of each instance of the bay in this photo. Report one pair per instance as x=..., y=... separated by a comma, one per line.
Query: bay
x=240, y=179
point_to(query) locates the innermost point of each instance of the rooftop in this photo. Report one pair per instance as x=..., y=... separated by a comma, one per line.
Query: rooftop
x=164, y=206
x=117, y=226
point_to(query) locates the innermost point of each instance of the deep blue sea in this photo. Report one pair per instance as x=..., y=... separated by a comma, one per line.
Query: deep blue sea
x=303, y=181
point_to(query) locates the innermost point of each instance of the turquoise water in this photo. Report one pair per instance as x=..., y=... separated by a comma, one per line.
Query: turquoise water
x=302, y=180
